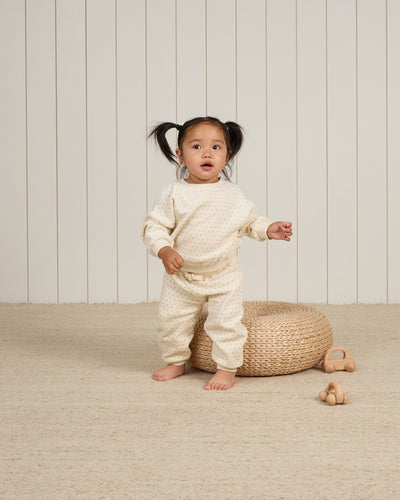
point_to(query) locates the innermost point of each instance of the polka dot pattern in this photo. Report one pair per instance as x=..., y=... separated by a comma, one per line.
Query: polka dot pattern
x=181, y=303
x=204, y=223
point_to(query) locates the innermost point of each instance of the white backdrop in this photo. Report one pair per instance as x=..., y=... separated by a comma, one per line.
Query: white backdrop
x=315, y=84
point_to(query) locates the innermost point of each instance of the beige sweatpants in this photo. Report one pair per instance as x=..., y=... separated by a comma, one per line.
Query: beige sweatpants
x=182, y=298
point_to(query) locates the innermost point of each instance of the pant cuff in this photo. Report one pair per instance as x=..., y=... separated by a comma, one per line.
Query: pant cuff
x=231, y=370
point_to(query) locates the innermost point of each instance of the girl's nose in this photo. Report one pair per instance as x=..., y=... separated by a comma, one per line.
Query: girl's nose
x=207, y=152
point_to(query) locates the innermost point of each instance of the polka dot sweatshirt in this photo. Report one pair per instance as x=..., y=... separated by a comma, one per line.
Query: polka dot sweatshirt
x=204, y=223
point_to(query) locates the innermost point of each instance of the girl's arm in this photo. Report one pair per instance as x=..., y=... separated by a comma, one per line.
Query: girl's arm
x=255, y=226
x=159, y=224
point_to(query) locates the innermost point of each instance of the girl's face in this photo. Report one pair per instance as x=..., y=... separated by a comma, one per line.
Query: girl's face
x=204, y=152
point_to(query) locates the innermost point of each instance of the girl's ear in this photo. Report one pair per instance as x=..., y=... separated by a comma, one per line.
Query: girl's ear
x=180, y=156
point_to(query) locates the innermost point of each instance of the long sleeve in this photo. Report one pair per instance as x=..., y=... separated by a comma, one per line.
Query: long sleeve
x=204, y=223
x=159, y=223
x=255, y=227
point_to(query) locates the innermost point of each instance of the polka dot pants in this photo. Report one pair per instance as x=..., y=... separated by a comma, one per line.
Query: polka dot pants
x=182, y=298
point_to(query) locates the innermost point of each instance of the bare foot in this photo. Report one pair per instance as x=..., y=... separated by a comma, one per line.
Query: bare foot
x=169, y=372
x=221, y=381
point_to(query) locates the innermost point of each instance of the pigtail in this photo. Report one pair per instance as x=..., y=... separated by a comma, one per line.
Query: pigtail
x=159, y=132
x=235, y=132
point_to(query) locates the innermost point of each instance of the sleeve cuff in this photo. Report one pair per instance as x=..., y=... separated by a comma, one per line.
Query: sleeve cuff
x=158, y=245
x=260, y=228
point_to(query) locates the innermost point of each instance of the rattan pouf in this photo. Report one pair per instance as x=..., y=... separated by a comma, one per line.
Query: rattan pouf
x=282, y=338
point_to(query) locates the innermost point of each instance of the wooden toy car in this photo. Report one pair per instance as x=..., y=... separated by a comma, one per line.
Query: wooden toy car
x=334, y=394
x=346, y=363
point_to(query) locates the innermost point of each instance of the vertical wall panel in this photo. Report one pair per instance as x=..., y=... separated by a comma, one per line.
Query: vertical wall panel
x=317, y=94
x=71, y=134
x=251, y=164
x=101, y=123
x=221, y=59
x=281, y=145
x=372, y=284
x=191, y=59
x=131, y=129
x=41, y=151
x=342, y=152
x=13, y=221
x=312, y=217
x=393, y=109
x=161, y=107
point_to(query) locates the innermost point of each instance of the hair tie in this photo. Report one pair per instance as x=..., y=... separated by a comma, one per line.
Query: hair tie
x=179, y=127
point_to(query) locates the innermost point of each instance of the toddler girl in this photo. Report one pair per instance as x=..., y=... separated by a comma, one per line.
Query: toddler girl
x=195, y=228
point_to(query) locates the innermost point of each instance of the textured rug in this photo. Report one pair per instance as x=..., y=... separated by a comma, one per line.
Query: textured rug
x=82, y=418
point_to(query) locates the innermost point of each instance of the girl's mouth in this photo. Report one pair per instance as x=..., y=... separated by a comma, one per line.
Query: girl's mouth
x=206, y=166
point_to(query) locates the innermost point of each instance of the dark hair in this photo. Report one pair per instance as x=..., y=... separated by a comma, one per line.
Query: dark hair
x=233, y=135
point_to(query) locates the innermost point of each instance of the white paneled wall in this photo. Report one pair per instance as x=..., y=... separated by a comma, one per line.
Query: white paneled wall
x=71, y=157
x=314, y=83
x=251, y=114
x=282, y=144
x=14, y=283
x=342, y=151
x=393, y=151
x=372, y=152
x=41, y=146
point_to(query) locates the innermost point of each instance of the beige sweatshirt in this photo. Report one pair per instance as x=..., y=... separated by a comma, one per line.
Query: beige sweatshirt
x=204, y=223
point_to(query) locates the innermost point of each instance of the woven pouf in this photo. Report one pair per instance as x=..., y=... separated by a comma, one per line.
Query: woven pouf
x=282, y=338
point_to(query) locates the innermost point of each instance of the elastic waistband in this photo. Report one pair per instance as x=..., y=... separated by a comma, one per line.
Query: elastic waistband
x=190, y=276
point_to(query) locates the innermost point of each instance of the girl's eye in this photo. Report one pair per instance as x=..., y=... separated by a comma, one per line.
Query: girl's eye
x=196, y=146
x=216, y=147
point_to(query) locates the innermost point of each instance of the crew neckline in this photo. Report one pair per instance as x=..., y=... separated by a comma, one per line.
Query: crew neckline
x=219, y=183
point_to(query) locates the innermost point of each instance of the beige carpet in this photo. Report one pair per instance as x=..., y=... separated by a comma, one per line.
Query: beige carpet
x=82, y=418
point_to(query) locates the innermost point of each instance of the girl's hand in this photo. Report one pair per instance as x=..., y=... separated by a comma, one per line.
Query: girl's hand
x=171, y=259
x=280, y=231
